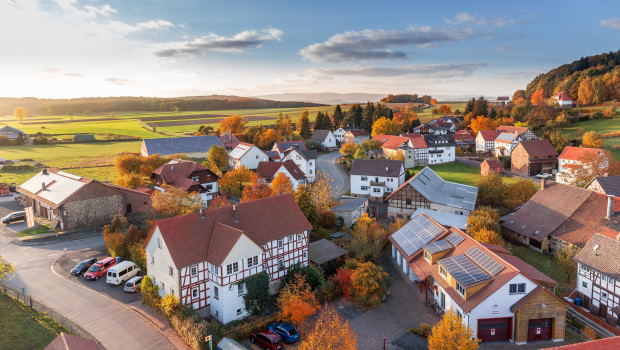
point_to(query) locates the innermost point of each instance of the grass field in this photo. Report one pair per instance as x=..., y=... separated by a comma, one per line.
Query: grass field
x=457, y=172
x=547, y=265
x=24, y=328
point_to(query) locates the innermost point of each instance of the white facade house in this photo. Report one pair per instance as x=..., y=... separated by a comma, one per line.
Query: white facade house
x=572, y=160
x=563, y=100
x=305, y=160
x=441, y=148
x=281, y=147
x=187, y=176
x=505, y=143
x=269, y=170
x=246, y=154
x=339, y=134
x=375, y=178
x=203, y=258
x=485, y=140
x=325, y=137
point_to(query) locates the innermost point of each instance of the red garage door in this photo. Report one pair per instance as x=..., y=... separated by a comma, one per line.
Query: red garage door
x=539, y=329
x=494, y=329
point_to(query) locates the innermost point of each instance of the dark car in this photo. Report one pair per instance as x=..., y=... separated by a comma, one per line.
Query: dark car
x=82, y=266
x=285, y=330
x=267, y=339
x=16, y=216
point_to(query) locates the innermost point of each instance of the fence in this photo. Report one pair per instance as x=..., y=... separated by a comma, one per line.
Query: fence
x=66, y=322
x=601, y=331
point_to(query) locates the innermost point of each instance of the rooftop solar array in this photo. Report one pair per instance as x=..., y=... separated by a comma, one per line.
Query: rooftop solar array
x=455, y=238
x=438, y=246
x=483, y=259
x=464, y=270
x=416, y=233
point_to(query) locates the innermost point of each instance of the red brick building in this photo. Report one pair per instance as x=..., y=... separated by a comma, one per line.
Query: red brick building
x=489, y=165
x=533, y=157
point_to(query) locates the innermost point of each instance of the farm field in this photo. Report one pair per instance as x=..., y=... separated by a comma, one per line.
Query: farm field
x=457, y=172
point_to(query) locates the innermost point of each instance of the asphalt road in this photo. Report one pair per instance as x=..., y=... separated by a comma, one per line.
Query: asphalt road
x=328, y=164
x=113, y=324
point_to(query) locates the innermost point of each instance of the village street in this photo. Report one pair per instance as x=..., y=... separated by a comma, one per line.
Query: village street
x=328, y=164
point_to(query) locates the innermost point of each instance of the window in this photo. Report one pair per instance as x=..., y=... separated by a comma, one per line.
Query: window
x=216, y=292
x=604, y=278
x=238, y=311
x=583, y=267
x=604, y=295
x=427, y=255
x=193, y=271
x=280, y=243
x=364, y=178
x=196, y=178
x=310, y=170
x=209, y=187
x=171, y=291
x=232, y=268
x=290, y=238
x=458, y=313
x=281, y=264
x=257, y=156
x=159, y=243
x=610, y=280
x=215, y=269
x=408, y=201
x=517, y=288
x=241, y=289
x=253, y=261
x=299, y=237
x=376, y=190
x=194, y=293
x=460, y=289
x=442, y=271
x=170, y=271
x=163, y=287
x=364, y=188
x=152, y=259
x=584, y=284
x=305, y=254
x=128, y=208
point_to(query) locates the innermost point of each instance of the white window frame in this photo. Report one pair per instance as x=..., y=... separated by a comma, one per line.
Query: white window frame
x=427, y=255
x=216, y=293
x=299, y=237
x=584, y=284
x=443, y=272
x=241, y=289
x=517, y=287
x=280, y=243
x=460, y=289
x=280, y=264
x=152, y=259
x=159, y=243
x=170, y=271
x=193, y=271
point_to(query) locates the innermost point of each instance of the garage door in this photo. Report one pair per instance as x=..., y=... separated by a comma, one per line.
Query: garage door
x=494, y=329
x=539, y=329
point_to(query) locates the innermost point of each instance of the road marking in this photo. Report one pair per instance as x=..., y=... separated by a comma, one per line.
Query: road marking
x=32, y=259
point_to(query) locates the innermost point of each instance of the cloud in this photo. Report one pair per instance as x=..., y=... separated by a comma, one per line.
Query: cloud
x=213, y=42
x=507, y=46
x=376, y=44
x=464, y=17
x=420, y=71
x=54, y=73
x=613, y=23
x=125, y=28
x=86, y=12
x=498, y=21
x=116, y=81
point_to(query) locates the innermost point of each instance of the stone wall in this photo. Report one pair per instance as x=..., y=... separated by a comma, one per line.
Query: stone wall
x=92, y=212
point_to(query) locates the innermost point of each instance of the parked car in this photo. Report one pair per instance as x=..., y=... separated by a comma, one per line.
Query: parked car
x=99, y=268
x=544, y=175
x=134, y=284
x=121, y=272
x=286, y=331
x=16, y=216
x=267, y=339
x=83, y=266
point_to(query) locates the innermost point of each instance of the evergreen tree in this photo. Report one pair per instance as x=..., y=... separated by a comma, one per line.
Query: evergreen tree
x=480, y=107
x=357, y=111
x=469, y=107
x=303, y=126
x=367, y=116
x=337, y=116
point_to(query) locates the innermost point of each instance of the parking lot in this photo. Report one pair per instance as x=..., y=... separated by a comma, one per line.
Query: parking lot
x=9, y=205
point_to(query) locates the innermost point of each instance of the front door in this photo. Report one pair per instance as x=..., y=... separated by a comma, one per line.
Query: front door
x=586, y=302
x=602, y=312
x=539, y=329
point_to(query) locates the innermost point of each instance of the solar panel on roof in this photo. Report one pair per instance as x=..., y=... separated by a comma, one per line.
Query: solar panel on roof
x=455, y=238
x=416, y=233
x=483, y=259
x=464, y=270
x=438, y=246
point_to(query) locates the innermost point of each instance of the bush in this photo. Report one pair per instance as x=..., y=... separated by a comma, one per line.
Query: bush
x=136, y=254
x=596, y=115
x=313, y=275
x=191, y=329
x=150, y=293
x=327, y=219
x=115, y=243
x=257, y=292
x=169, y=304
x=328, y=292
x=426, y=329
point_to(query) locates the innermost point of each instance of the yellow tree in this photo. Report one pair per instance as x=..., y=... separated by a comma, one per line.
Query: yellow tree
x=445, y=109
x=385, y=126
x=348, y=149
x=322, y=191
x=482, y=123
x=484, y=235
x=586, y=91
x=234, y=124
x=217, y=156
x=451, y=333
x=175, y=202
x=297, y=302
x=232, y=182
x=566, y=259
x=592, y=139
x=330, y=331
x=128, y=180
x=281, y=184
x=20, y=114
x=369, y=284
x=267, y=138
x=537, y=97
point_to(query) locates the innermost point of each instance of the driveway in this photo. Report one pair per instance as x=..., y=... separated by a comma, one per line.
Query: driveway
x=328, y=164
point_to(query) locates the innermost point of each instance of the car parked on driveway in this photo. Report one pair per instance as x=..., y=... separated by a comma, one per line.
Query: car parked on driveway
x=83, y=266
x=16, y=216
x=544, y=176
x=267, y=339
x=286, y=331
x=99, y=268
x=134, y=284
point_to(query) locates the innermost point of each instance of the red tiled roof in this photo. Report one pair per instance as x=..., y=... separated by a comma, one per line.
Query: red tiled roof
x=562, y=96
x=268, y=170
x=538, y=148
x=489, y=135
x=578, y=153
x=416, y=139
x=495, y=248
x=177, y=168
x=612, y=343
x=393, y=142
x=190, y=238
x=519, y=130
x=493, y=164
x=66, y=341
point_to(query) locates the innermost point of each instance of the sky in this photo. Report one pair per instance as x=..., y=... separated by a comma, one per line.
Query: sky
x=91, y=48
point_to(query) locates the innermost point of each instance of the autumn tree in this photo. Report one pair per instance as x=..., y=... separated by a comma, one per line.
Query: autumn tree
x=258, y=188
x=303, y=125
x=369, y=239
x=593, y=165
x=281, y=184
x=385, y=126
x=235, y=124
x=537, y=97
x=445, y=109
x=348, y=149
x=565, y=257
x=482, y=123
x=483, y=218
x=519, y=192
x=284, y=125
x=87, y=112
x=218, y=157
x=303, y=198
x=219, y=202
x=559, y=141
x=6, y=269
x=329, y=331
x=128, y=180
x=297, y=302
x=360, y=154
x=491, y=190
x=322, y=190
x=20, y=114
x=586, y=91
x=488, y=236
x=369, y=284
x=174, y=202
x=268, y=138
x=451, y=333
x=592, y=139
x=233, y=181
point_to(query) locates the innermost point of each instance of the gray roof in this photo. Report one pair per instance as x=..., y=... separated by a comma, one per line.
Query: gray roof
x=172, y=145
x=437, y=190
x=320, y=135
x=601, y=253
x=324, y=250
x=446, y=219
x=439, y=140
x=349, y=203
x=9, y=129
x=610, y=184
x=377, y=167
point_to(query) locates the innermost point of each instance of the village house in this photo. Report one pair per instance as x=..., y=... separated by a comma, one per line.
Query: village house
x=571, y=161
x=339, y=133
x=187, y=176
x=280, y=147
x=325, y=137
x=305, y=159
x=500, y=101
x=441, y=148
x=348, y=209
x=491, y=165
x=11, y=133
x=485, y=140
x=464, y=139
x=504, y=144
x=229, y=140
x=428, y=190
x=356, y=136
x=445, y=219
x=375, y=178
x=70, y=201
x=498, y=296
x=521, y=131
x=563, y=100
x=533, y=157
x=559, y=215
x=247, y=155
x=192, y=146
x=411, y=148
x=598, y=277
x=607, y=185
x=269, y=170
x=201, y=258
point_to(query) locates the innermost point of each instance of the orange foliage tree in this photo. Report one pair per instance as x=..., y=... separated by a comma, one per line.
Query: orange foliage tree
x=297, y=302
x=482, y=123
x=235, y=124
x=330, y=331
x=268, y=138
x=233, y=181
x=257, y=189
x=175, y=202
x=451, y=333
x=281, y=184
x=537, y=97
x=219, y=202
x=445, y=109
x=369, y=284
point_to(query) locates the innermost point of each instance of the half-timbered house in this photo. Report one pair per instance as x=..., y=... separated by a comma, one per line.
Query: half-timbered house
x=203, y=258
x=187, y=176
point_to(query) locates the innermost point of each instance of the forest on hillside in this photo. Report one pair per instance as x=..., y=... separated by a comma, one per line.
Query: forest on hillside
x=589, y=80
x=406, y=99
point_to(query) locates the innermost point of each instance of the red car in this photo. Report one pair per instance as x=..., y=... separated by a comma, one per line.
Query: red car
x=267, y=339
x=99, y=268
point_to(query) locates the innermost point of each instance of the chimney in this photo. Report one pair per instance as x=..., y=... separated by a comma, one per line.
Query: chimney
x=610, y=206
x=386, y=169
x=172, y=167
x=543, y=184
x=43, y=186
x=202, y=213
x=235, y=214
x=44, y=172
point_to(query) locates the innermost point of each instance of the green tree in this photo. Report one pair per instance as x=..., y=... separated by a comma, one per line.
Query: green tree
x=303, y=198
x=313, y=275
x=303, y=125
x=367, y=116
x=336, y=117
x=217, y=156
x=20, y=114
x=87, y=112
x=565, y=257
x=360, y=154
x=559, y=141
x=257, y=292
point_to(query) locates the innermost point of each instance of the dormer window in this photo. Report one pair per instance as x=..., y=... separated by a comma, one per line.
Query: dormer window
x=196, y=178
x=427, y=255
x=460, y=289
x=443, y=272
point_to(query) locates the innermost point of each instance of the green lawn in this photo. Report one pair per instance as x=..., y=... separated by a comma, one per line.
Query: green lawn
x=547, y=265
x=427, y=114
x=54, y=153
x=38, y=230
x=600, y=125
x=24, y=328
x=457, y=172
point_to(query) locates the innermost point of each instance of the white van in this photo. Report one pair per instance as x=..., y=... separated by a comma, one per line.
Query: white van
x=122, y=272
